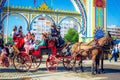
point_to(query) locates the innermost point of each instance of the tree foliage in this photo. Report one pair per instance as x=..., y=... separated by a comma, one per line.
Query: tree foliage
x=72, y=35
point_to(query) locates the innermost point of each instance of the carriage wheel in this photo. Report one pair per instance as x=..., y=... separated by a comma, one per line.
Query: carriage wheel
x=36, y=61
x=51, y=64
x=68, y=63
x=22, y=62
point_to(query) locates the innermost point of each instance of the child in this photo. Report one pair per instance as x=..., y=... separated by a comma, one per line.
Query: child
x=4, y=57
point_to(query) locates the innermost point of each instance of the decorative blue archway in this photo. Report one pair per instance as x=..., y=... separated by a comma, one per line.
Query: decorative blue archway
x=2, y=2
x=17, y=14
x=81, y=7
x=68, y=17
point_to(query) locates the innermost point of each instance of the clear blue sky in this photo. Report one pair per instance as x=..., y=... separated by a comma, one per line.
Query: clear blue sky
x=55, y=4
x=19, y=21
x=113, y=12
x=113, y=7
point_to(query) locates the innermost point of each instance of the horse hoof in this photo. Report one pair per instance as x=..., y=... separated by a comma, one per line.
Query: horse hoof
x=93, y=73
x=82, y=70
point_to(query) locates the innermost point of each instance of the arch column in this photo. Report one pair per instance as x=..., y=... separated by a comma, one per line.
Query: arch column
x=2, y=2
x=83, y=32
x=90, y=18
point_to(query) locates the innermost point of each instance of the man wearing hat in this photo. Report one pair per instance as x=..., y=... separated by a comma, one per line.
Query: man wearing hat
x=60, y=41
x=53, y=31
x=58, y=30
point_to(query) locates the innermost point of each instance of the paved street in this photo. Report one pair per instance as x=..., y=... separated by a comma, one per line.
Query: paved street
x=112, y=72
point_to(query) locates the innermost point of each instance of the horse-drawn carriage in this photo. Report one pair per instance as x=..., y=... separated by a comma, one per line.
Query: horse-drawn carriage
x=80, y=50
x=31, y=61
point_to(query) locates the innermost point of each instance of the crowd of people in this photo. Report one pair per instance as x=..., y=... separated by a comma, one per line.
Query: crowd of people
x=29, y=38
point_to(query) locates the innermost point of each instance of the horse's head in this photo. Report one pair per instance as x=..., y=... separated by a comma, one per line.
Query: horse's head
x=109, y=42
x=106, y=42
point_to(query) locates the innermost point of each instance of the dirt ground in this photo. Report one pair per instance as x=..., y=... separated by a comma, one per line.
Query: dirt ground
x=112, y=72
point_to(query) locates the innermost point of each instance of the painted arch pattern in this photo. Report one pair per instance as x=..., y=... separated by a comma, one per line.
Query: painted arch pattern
x=11, y=19
x=84, y=17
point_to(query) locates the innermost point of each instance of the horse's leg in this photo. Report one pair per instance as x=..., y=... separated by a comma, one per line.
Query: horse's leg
x=102, y=59
x=97, y=66
x=80, y=64
x=98, y=62
x=74, y=62
x=93, y=65
x=102, y=69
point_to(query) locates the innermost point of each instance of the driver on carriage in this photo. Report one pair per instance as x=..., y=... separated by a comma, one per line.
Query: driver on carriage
x=55, y=35
x=53, y=31
x=60, y=39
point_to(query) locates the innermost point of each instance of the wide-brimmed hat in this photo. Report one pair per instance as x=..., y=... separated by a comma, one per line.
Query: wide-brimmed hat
x=44, y=34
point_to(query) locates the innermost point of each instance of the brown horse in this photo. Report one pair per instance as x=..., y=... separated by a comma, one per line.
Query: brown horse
x=94, y=49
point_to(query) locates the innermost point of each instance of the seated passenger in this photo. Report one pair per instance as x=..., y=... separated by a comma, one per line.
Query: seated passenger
x=32, y=41
x=43, y=41
x=20, y=34
x=53, y=32
x=60, y=40
x=27, y=42
x=14, y=33
x=4, y=55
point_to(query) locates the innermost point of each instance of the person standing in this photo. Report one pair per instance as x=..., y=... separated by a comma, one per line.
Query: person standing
x=119, y=47
x=114, y=53
x=14, y=33
x=27, y=42
x=20, y=29
x=53, y=31
x=60, y=41
x=20, y=33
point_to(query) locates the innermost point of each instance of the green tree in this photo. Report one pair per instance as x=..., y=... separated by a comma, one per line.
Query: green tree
x=72, y=35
